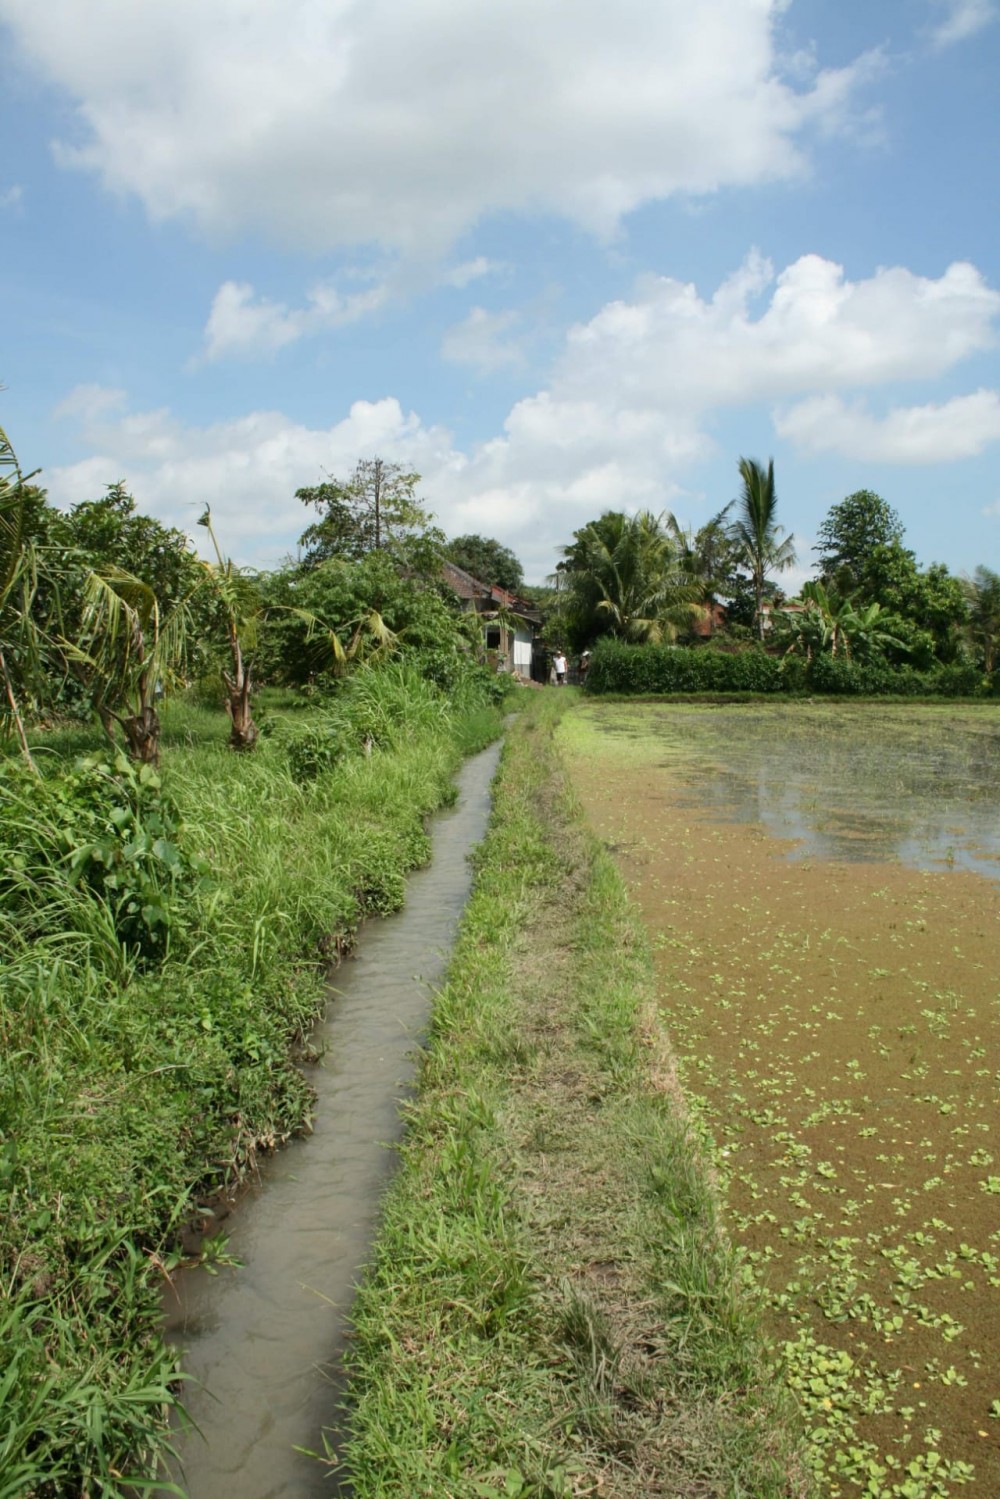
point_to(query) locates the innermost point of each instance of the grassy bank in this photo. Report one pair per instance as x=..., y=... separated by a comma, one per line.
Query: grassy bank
x=552, y=1309
x=164, y=951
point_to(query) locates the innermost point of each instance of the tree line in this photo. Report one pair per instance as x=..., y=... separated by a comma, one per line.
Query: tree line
x=104, y=610
x=644, y=578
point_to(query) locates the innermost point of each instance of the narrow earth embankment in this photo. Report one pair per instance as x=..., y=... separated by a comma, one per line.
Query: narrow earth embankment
x=552, y=1310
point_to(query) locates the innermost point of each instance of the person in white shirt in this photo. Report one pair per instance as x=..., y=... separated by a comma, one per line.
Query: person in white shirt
x=559, y=667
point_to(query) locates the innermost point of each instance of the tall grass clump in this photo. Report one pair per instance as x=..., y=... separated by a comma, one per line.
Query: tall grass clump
x=164, y=942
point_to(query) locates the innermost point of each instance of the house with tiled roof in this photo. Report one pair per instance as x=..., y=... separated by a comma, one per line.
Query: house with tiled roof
x=511, y=624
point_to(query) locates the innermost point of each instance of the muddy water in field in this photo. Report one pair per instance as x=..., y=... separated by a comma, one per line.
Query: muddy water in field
x=262, y=1343
x=861, y=782
x=820, y=887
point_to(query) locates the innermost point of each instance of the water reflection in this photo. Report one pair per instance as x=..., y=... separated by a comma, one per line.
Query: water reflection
x=864, y=783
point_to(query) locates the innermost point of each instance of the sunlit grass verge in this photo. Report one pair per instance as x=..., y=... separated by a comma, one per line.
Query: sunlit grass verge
x=134, y=1084
x=552, y=1309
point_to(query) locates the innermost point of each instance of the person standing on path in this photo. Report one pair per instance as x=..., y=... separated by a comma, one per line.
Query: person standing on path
x=559, y=666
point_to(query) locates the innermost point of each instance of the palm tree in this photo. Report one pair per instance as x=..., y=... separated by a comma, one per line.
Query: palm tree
x=632, y=576
x=708, y=555
x=757, y=533
x=983, y=593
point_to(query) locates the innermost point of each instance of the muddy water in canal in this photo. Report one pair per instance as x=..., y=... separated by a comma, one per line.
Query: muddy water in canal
x=262, y=1343
x=821, y=885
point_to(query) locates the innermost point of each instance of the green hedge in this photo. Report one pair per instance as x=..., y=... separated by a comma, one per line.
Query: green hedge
x=617, y=667
x=832, y=676
x=664, y=669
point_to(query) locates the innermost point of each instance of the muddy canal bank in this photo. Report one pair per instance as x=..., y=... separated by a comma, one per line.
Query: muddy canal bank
x=262, y=1344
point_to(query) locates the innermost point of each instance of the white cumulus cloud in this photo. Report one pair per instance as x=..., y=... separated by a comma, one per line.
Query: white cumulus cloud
x=960, y=428
x=961, y=19
x=670, y=348
x=241, y=323
x=326, y=123
x=484, y=340
x=624, y=420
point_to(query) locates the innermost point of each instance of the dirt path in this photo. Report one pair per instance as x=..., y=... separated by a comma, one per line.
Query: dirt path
x=840, y=1025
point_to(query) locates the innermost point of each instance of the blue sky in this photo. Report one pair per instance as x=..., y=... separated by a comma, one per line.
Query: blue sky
x=556, y=257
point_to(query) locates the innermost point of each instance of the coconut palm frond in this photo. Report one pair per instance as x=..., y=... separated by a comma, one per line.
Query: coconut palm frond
x=756, y=531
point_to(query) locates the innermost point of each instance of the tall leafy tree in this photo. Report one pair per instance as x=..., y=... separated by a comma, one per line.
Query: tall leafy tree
x=377, y=507
x=757, y=533
x=488, y=560
x=928, y=606
x=111, y=532
x=849, y=534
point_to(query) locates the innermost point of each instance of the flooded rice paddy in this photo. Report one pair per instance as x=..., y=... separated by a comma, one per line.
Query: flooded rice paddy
x=821, y=884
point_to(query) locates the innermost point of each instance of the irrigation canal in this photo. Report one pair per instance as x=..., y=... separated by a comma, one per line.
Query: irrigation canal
x=262, y=1345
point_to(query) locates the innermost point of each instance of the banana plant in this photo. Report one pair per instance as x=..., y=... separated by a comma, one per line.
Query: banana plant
x=370, y=637
x=231, y=586
x=128, y=654
x=830, y=621
x=19, y=655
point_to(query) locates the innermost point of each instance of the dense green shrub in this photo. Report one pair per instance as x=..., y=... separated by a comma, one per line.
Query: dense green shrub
x=458, y=675
x=617, y=667
x=313, y=750
x=105, y=828
x=963, y=680
x=836, y=676
x=659, y=669
x=795, y=674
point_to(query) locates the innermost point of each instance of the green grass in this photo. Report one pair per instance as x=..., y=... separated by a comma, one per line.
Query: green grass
x=552, y=1308
x=132, y=1087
